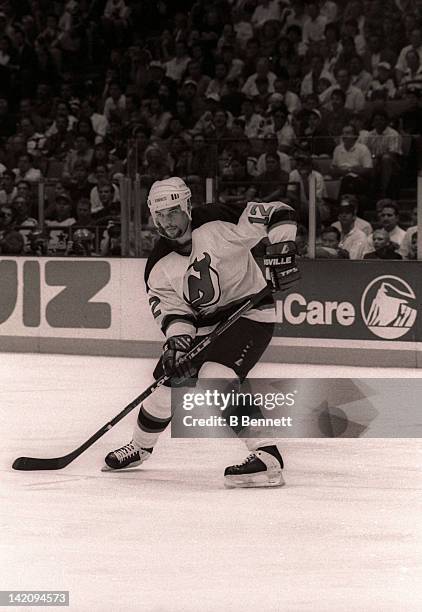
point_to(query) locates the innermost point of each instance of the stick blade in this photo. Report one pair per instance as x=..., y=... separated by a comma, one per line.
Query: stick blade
x=28, y=464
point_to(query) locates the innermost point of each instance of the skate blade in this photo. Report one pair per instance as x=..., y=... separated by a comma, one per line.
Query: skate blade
x=106, y=468
x=254, y=482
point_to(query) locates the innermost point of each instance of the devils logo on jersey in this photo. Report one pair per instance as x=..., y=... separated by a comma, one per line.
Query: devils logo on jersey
x=202, y=285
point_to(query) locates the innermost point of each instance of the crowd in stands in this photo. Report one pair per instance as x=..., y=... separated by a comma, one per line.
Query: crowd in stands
x=258, y=94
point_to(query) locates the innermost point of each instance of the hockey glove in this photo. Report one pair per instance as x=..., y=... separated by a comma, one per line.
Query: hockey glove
x=280, y=263
x=174, y=350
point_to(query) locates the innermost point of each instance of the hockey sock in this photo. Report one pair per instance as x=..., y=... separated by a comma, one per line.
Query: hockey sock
x=273, y=450
x=148, y=428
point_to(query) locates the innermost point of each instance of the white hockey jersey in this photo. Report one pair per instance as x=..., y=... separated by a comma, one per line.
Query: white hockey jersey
x=190, y=294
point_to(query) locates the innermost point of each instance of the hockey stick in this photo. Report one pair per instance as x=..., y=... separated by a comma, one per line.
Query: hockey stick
x=57, y=463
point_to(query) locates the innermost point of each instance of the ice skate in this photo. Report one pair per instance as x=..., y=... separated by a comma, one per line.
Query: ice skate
x=261, y=468
x=127, y=456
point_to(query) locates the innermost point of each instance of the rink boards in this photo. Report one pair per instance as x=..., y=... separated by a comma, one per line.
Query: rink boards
x=350, y=313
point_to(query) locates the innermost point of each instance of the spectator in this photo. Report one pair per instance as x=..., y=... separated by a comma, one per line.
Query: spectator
x=7, y=119
x=384, y=82
x=84, y=128
x=203, y=160
x=352, y=163
x=115, y=100
x=314, y=26
x=317, y=72
x=111, y=245
x=11, y=241
x=61, y=218
x=21, y=208
x=179, y=157
x=329, y=9
x=79, y=185
x=315, y=135
x=62, y=110
x=271, y=147
x=411, y=125
x=228, y=37
x=377, y=52
x=195, y=73
x=35, y=141
x=383, y=247
x=388, y=217
x=235, y=183
x=266, y=10
x=233, y=98
x=219, y=127
x=355, y=100
x=84, y=217
x=346, y=50
x=415, y=45
x=234, y=64
x=261, y=100
x=412, y=77
x=329, y=247
x=406, y=243
x=284, y=95
x=155, y=78
x=352, y=239
x=59, y=189
x=385, y=145
x=156, y=118
x=329, y=56
x=115, y=141
x=176, y=66
x=360, y=223
x=280, y=126
x=62, y=141
x=23, y=189
x=156, y=167
x=81, y=242
x=254, y=122
x=337, y=114
x=217, y=85
x=413, y=251
x=115, y=18
x=99, y=122
x=82, y=152
x=296, y=16
x=301, y=241
x=102, y=196
x=271, y=185
x=351, y=30
x=240, y=144
x=8, y=189
x=360, y=77
x=298, y=189
x=262, y=72
x=26, y=171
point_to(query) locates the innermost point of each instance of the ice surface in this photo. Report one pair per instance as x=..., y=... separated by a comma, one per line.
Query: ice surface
x=343, y=535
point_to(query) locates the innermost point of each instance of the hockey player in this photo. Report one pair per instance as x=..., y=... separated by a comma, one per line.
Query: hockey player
x=200, y=271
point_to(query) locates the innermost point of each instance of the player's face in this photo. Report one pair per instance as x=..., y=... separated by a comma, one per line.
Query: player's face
x=172, y=222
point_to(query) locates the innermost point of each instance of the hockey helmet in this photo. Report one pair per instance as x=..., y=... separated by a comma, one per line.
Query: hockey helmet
x=169, y=193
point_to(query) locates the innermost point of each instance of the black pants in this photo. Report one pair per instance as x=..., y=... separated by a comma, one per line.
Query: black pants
x=239, y=348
